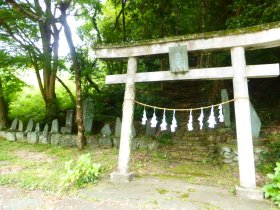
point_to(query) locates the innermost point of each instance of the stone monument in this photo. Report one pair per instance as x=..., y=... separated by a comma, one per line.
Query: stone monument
x=226, y=107
x=55, y=126
x=255, y=123
x=70, y=121
x=105, y=140
x=20, y=135
x=37, y=128
x=30, y=126
x=14, y=125
x=118, y=127
x=44, y=137
x=178, y=59
x=106, y=130
x=20, y=126
x=88, y=113
x=150, y=131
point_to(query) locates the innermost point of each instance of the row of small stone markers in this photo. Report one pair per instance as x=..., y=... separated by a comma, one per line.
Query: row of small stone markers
x=32, y=134
x=56, y=136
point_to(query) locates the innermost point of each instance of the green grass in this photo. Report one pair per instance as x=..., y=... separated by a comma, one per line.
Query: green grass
x=162, y=191
x=44, y=172
x=30, y=172
x=160, y=164
x=185, y=195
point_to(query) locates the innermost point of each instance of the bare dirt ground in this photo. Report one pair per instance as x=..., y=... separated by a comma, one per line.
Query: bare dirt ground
x=34, y=156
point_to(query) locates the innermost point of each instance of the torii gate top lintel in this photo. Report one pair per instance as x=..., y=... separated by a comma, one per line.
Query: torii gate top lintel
x=256, y=37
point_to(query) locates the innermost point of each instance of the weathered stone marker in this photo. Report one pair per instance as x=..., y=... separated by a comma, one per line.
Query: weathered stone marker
x=105, y=141
x=106, y=130
x=14, y=125
x=30, y=126
x=20, y=126
x=44, y=137
x=37, y=128
x=150, y=131
x=20, y=135
x=226, y=108
x=255, y=122
x=178, y=59
x=88, y=114
x=46, y=129
x=55, y=126
x=70, y=121
x=118, y=127
x=238, y=72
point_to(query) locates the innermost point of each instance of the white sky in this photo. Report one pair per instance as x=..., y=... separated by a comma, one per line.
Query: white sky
x=63, y=46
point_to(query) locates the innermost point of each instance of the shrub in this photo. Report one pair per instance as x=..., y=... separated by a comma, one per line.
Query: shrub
x=81, y=172
x=269, y=157
x=272, y=190
x=28, y=104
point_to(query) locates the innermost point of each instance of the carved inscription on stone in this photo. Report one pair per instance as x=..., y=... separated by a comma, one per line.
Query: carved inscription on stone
x=178, y=59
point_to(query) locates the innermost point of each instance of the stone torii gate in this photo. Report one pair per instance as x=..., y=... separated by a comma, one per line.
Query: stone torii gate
x=236, y=42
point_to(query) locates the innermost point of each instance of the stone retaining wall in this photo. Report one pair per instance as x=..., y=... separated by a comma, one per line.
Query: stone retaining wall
x=201, y=147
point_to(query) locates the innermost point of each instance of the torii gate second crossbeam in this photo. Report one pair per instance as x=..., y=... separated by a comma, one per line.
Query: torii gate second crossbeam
x=238, y=72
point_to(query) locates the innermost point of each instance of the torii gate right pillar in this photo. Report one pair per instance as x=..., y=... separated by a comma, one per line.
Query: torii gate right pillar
x=247, y=175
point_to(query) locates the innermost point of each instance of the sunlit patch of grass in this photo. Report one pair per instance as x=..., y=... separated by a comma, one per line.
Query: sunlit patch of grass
x=44, y=173
x=158, y=164
x=162, y=191
x=184, y=195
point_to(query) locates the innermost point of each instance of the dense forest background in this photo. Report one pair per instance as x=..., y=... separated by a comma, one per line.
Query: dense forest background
x=30, y=34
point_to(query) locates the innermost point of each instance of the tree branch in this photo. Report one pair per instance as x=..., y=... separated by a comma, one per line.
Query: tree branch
x=67, y=90
x=36, y=67
x=92, y=83
x=22, y=11
x=120, y=13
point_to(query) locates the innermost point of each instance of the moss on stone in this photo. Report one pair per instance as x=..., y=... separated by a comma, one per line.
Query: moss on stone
x=205, y=35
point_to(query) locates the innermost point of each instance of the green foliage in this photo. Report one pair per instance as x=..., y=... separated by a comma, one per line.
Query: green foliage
x=270, y=156
x=108, y=103
x=165, y=138
x=272, y=190
x=155, y=19
x=63, y=97
x=253, y=12
x=28, y=104
x=11, y=84
x=41, y=162
x=81, y=172
x=92, y=72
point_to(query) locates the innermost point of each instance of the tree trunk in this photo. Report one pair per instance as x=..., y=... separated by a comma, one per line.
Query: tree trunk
x=47, y=58
x=3, y=109
x=79, y=109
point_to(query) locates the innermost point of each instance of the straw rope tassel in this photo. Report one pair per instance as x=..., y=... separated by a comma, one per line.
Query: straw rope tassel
x=200, y=119
x=144, y=118
x=221, y=116
x=190, y=125
x=212, y=121
x=174, y=123
x=154, y=120
x=163, y=123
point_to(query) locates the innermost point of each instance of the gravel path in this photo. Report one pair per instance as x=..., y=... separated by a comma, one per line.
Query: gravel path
x=143, y=193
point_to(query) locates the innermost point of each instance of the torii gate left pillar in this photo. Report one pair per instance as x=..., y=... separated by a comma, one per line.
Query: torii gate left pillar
x=123, y=174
